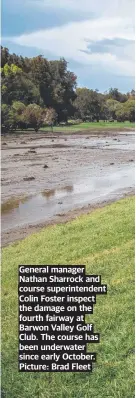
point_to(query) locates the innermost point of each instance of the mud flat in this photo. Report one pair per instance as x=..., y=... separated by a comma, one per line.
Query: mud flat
x=49, y=178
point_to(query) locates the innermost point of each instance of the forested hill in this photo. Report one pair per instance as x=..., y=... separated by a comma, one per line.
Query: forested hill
x=36, y=91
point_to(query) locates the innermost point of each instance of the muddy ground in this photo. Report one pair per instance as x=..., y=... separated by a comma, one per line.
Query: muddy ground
x=48, y=178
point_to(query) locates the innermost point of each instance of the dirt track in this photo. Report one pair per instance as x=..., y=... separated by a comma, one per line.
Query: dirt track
x=53, y=178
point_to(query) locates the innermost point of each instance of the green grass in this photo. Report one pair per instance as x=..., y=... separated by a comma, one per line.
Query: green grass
x=80, y=127
x=91, y=126
x=104, y=241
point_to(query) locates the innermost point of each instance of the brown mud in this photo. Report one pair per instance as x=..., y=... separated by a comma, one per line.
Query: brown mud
x=83, y=172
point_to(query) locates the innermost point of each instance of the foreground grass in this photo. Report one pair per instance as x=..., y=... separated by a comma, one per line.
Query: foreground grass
x=91, y=126
x=104, y=241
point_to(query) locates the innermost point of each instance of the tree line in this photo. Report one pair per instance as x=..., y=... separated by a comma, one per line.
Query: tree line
x=37, y=92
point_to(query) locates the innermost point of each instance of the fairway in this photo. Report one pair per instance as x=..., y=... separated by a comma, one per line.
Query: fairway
x=104, y=241
x=92, y=126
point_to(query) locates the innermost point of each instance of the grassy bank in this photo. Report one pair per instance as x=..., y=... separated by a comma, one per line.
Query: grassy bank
x=92, y=126
x=86, y=127
x=104, y=241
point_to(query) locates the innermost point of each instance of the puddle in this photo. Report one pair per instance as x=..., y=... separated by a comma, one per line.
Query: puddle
x=88, y=189
x=57, y=192
x=11, y=204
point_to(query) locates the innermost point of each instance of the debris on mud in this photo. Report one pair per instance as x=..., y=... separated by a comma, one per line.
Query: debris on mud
x=32, y=151
x=45, y=166
x=28, y=178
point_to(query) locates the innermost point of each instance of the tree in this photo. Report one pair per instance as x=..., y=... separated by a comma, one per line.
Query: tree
x=16, y=86
x=8, y=118
x=50, y=117
x=87, y=104
x=4, y=56
x=4, y=116
x=126, y=111
x=105, y=113
x=63, y=83
x=129, y=109
x=50, y=85
x=40, y=74
x=19, y=108
x=120, y=113
x=131, y=95
x=112, y=106
x=34, y=116
x=115, y=94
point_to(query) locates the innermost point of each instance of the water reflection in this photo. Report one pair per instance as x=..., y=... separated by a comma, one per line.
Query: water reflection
x=48, y=194
x=16, y=203
x=55, y=192
x=49, y=203
x=12, y=203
